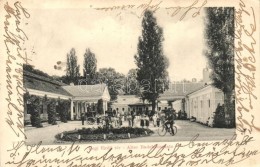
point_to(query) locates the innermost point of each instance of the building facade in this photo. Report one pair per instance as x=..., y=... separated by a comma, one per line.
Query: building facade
x=84, y=99
x=202, y=103
x=127, y=103
x=80, y=98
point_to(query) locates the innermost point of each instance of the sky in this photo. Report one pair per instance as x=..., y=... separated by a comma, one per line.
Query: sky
x=113, y=37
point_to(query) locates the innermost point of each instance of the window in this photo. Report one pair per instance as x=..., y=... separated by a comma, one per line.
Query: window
x=209, y=103
x=201, y=104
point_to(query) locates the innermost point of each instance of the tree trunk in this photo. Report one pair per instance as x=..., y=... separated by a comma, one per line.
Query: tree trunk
x=229, y=109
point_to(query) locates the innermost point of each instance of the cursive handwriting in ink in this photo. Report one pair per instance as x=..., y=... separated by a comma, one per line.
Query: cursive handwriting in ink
x=153, y=5
x=226, y=152
x=185, y=10
x=246, y=67
x=13, y=39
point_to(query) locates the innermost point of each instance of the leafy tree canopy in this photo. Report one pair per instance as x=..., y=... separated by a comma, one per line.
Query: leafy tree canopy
x=151, y=62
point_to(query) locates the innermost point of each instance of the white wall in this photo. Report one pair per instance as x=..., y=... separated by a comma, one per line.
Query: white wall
x=203, y=103
x=177, y=105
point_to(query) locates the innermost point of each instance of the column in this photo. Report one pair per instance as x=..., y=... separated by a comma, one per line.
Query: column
x=106, y=105
x=81, y=107
x=78, y=113
x=71, y=110
x=76, y=109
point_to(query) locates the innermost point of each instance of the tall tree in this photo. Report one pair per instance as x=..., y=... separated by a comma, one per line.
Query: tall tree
x=113, y=80
x=131, y=86
x=72, y=71
x=90, y=67
x=219, y=36
x=151, y=62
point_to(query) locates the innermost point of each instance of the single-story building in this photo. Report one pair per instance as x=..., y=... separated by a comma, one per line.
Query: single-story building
x=124, y=104
x=81, y=98
x=203, y=102
x=84, y=98
x=41, y=87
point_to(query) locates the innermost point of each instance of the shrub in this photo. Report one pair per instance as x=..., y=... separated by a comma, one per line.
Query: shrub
x=52, y=112
x=88, y=134
x=231, y=119
x=63, y=111
x=35, y=113
x=219, y=117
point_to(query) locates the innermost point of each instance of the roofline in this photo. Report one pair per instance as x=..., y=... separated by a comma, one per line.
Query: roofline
x=48, y=94
x=200, y=89
x=43, y=78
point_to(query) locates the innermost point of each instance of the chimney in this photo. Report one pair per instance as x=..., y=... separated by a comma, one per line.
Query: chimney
x=206, y=78
x=193, y=80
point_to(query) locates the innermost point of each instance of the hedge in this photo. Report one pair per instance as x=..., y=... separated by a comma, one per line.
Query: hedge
x=88, y=134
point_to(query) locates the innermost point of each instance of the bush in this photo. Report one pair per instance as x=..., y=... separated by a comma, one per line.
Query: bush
x=63, y=111
x=231, y=119
x=219, y=117
x=52, y=113
x=35, y=113
x=98, y=134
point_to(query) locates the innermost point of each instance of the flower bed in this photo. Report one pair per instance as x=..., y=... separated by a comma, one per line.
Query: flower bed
x=102, y=134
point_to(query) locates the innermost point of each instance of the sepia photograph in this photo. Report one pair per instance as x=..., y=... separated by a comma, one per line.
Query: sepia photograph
x=129, y=83
x=132, y=76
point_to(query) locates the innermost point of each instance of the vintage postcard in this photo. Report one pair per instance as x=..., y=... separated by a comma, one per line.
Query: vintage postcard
x=129, y=83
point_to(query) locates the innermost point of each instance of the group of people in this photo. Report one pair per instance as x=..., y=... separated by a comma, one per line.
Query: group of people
x=115, y=119
x=157, y=119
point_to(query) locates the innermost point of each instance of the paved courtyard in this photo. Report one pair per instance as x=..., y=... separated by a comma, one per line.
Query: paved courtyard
x=186, y=130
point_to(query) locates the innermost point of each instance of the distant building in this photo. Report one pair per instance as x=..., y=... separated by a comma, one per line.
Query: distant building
x=176, y=93
x=127, y=103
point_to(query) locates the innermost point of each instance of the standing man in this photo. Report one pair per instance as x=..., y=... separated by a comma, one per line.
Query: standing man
x=129, y=118
x=82, y=118
x=133, y=117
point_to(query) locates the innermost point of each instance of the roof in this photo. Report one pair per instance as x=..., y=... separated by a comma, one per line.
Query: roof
x=180, y=90
x=85, y=90
x=127, y=99
x=41, y=83
x=205, y=86
x=139, y=104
